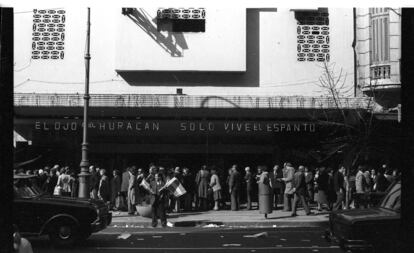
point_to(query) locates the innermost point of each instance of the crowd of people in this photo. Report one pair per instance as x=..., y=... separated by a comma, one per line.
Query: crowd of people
x=210, y=188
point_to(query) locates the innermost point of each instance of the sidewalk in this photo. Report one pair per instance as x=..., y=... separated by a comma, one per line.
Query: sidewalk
x=241, y=218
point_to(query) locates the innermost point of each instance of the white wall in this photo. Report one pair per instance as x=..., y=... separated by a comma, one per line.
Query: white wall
x=280, y=73
x=222, y=47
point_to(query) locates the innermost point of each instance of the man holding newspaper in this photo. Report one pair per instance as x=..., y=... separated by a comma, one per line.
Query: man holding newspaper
x=158, y=189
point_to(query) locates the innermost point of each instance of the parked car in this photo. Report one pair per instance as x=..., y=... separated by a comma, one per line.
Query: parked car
x=65, y=219
x=369, y=230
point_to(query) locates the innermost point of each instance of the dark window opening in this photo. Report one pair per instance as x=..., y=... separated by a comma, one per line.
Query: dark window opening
x=181, y=20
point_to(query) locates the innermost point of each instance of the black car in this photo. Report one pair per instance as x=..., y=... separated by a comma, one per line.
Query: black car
x=65, y=219
x=369, y=230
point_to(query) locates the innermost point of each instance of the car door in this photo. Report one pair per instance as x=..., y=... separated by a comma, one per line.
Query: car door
x=24, y=215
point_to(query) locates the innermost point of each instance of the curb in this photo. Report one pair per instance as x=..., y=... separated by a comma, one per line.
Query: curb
x=190, y=224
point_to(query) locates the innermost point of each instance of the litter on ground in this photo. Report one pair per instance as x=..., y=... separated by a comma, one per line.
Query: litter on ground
x=258, y=235
x=124, y=236
x=232, y=245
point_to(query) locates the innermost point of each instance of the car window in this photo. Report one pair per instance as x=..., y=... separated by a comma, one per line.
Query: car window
x=393, y=198
x=25, y=189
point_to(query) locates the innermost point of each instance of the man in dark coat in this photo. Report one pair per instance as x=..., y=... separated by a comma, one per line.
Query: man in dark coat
x=188, y=184
x=299, y=189
x=93, y=182
x=234, y=188
x=248, y=178
x=115, y=189
x=382, y=182
x=157, y=200
x=104, y=187
x=338, y=184
x=52, y=180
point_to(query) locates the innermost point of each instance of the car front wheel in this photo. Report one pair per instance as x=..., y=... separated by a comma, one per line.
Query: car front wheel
x=63, y=233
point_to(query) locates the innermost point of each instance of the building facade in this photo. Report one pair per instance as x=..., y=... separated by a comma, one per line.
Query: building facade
x=180, y=86
x=379, y=53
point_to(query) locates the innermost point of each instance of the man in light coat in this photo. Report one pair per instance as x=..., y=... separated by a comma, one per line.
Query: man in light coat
x=132, y=190
x=360, y=185
x=288, y=194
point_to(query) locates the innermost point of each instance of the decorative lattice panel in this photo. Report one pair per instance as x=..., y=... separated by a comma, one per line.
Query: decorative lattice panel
x=182, y=13
x=312, y=36
x=48, y=37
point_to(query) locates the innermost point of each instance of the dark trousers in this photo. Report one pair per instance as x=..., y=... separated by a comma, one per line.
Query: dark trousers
x=276, y=197
x=360, y=200
x=188, y=201
x=339, y=199
x=235, y=200
x=203, y=204
x=301, y=197
x=310, y=195
x=158, y=210
x=249, y=198
x=287, y=202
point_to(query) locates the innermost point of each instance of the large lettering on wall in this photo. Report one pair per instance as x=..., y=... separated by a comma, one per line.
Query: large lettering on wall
x=176, y=126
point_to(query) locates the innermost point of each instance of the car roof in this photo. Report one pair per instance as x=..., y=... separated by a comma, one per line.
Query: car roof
x=22, y=176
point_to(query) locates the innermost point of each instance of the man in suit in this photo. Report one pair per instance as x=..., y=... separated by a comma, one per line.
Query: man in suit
x=276, y=177
x=132, y=190
x=288, y=194
x=299, y=189
x=124, y=185
x=157, y=200
x=234, y=188
x=248, y=178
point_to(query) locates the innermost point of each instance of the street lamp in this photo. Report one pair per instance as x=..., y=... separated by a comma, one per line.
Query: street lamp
x=84, y=164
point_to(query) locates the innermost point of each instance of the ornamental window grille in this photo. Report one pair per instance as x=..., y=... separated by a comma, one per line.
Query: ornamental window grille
x=380, y=39
x=48, y=34
x=181, y=19
x=313, y=35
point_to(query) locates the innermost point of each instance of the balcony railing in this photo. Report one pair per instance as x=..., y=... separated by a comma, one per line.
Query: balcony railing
x=380, y=72
x=189, y=101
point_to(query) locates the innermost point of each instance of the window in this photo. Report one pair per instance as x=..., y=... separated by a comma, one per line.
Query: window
x=380, y=46
x=393, y=198
x=48, y=34
x=181, y=20
x=313, y=35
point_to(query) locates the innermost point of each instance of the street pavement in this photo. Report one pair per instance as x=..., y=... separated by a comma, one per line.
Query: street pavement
x=200, y=239
x=241, y=218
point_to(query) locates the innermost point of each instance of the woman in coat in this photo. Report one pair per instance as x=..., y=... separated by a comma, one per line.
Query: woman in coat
x=215, y=185
x=265, y=192
x=202, y=180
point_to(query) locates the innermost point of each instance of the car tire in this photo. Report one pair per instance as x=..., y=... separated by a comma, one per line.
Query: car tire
x=63, y=233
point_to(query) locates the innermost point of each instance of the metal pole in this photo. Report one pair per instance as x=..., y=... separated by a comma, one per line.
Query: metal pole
x=84, y=164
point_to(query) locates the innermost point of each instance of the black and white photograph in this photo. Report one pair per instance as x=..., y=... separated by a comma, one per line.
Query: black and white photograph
x=197, y=126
